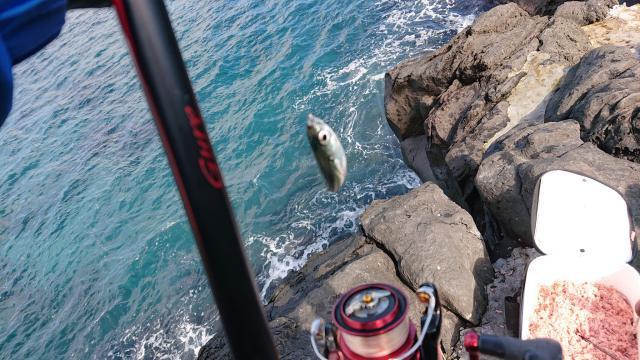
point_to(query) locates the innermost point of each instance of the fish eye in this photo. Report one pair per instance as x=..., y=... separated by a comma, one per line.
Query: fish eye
x=323, y=136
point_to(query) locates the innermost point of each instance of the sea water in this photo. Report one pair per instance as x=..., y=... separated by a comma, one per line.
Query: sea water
x=96, y=256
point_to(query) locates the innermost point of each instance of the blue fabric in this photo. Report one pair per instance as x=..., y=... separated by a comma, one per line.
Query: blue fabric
x=26, y=26
x=6, y=83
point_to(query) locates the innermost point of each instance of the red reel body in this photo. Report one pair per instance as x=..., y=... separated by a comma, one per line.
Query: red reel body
x=372, y=324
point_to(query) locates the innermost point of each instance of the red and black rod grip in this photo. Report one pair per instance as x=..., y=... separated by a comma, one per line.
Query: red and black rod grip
x=509, y=348
x=184, y=136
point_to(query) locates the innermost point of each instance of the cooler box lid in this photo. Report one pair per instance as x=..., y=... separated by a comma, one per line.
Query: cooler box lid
x=576, y=215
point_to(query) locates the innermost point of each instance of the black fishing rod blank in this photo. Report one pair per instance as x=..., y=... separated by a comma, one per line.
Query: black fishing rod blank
x=174, y=107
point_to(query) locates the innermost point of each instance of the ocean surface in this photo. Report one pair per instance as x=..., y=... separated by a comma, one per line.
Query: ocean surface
x=97, y=260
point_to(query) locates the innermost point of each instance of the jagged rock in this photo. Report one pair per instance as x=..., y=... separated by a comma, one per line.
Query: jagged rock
x=564, y=40
x=510, y=274
x=411, y=88
x=551, y=7
x=535, y=7
x=583, y=12
x=466, y=155
x=461, y=96
x=407, y=99
x=602, y=92
x=498, y=179
x=431, y=238
x=506, y=178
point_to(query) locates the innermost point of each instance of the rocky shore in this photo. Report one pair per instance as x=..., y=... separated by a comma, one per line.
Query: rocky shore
x=530, y=86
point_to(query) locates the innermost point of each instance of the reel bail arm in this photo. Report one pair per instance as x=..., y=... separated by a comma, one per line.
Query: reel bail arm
x=431, y=322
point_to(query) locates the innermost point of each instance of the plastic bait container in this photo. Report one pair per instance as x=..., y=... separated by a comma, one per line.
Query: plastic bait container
x=584, y=231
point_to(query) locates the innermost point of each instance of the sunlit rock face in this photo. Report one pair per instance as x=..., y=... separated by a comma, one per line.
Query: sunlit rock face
x=621, y=28
x=466, y=95
x=529, y=98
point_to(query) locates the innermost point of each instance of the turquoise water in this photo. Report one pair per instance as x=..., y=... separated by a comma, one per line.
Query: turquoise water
x=96, y=255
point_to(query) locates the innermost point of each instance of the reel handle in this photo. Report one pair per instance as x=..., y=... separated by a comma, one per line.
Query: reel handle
x=511, y=348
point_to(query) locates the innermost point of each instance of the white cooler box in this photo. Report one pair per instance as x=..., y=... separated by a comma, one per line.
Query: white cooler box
x=584, y=231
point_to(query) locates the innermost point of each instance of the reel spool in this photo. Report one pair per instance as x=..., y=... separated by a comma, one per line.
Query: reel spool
x=370, y=322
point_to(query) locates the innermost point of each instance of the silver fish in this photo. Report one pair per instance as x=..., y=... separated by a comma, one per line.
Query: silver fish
x=328, y=152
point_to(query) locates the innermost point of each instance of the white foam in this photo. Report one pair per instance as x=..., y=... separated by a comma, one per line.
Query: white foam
x=279, y=255
x=376, y=77
x=407, y=30
x=406, y=33
x=172, y=335
x=155, y=340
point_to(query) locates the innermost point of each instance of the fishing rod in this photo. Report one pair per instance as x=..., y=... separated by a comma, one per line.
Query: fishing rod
x=370, y=322
x=147, y=28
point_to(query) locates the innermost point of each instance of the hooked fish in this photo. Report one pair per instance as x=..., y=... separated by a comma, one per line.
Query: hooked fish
x=328, y=152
